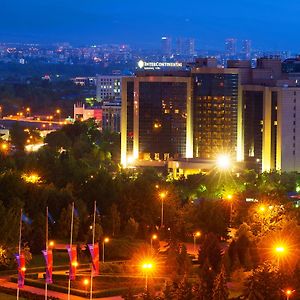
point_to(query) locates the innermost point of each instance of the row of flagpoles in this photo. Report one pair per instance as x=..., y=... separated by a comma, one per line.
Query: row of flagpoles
x=48, y=256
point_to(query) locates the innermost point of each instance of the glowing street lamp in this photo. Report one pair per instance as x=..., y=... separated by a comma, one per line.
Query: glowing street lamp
x=162, y=196
x=288, y=293
x=147, y=268
x=86, y=283
x=51, y=244
x=105, y=241
x=196, y=235
x=279, y=250
x=4, y=147
x=223, y=162
x=153, y=237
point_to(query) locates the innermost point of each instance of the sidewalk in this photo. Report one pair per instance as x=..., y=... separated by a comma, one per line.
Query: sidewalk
x=4, y=281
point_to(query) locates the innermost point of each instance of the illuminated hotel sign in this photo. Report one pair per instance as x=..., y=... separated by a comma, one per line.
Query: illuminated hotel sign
x=158, y=65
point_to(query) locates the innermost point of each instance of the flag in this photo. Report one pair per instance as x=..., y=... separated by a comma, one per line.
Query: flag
x=72, y=251
x=26, y=219
x=51, y=219
x=21, y=269
x=94, y=250
x=48, y=255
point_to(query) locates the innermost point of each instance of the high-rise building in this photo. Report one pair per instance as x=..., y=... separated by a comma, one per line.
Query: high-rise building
x=154, y=114
x=185, y=47
x=180, y=114
x=248, y=113
x=166, y=45
x=246, y=49
x=111, y=115
x=108, y=87
x=215, y=112
x=230, y=47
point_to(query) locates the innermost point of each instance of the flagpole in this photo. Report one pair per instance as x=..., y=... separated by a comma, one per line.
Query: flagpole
x=20, y=238
x=46, y=285
x=94, y=230
x=71, y=241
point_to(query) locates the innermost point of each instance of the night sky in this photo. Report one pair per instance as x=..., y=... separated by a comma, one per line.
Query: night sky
x=270, y=24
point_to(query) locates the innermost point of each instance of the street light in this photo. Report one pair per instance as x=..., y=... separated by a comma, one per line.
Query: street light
x=223, y=162
x=105, y=241
x=196, y=235
x=162, y=196
x=51, y=244
x=288, y=293
x=279, y=251
x=86, y=283
x=147, y=267
x=153, y=237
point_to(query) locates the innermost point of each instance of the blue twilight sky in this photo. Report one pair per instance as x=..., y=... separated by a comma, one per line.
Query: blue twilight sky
x=270, y=24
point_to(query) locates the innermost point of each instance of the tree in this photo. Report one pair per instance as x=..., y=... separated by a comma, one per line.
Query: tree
x=265, y=283
x=211, y=252
x=220, y=291
x=18, y=136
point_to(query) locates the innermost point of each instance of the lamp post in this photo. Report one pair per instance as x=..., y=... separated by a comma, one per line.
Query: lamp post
x=86, y=283
x=162, y=197
x=279, y=250
x=147, y=267
x=153, y=237
x=288, y=293
x=196, y=235
x=105, y=240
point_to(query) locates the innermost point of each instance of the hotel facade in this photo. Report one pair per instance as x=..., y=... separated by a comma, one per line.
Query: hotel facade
x=192, y=115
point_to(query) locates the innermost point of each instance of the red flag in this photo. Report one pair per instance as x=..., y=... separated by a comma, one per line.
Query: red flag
x=21, y=269
x=94, y=250
x=72, y=250
x=48, y=255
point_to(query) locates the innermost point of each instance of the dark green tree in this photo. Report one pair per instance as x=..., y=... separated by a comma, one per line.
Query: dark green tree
x=220, y=290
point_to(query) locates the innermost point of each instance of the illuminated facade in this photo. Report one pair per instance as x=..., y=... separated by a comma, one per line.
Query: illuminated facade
x=154, y=118
x=108, y=87
x=215, y=112
x=180, y=114
x=271, y=127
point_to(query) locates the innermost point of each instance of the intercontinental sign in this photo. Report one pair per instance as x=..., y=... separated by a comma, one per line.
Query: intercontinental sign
x=158, y=65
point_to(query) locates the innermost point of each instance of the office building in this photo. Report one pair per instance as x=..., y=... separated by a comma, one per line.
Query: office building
x=108, y=87
x=186, y=118
x=230, y=47
x=166, y=46
x=271, y=104
x=180, y=114
x=83, y=112
x=154, y=114
x=215, y=112
x=246, y=49
x=185, y=47
x=111, y=115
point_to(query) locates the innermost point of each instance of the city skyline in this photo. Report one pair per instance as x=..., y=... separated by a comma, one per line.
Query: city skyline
x=142, y=25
